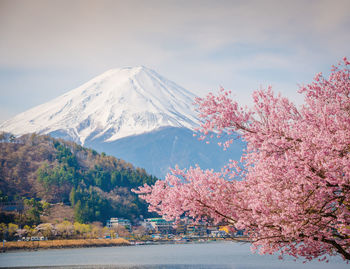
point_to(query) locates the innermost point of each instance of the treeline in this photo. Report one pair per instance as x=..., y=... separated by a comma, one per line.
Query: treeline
x=97, y=186
x=61, y=230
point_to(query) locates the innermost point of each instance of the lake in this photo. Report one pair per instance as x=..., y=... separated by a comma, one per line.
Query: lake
x=205, y=255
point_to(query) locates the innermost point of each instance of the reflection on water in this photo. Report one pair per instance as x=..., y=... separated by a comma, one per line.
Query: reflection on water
x=211, y=255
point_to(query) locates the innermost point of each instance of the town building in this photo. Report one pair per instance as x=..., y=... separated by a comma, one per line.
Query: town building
x=199, y=229
x=112, y=222
x=159, y=225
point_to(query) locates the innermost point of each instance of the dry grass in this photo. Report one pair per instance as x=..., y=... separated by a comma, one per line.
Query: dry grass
x=71, y=243
x=59, y=213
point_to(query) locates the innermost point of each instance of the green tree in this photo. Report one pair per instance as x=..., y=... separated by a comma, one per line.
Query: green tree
x=72, y=196
x=79, y=213
x=12, y=229
x=65, y=229
x=3, y=231
x=30, y=231
x=33, y=210
x=81, y=230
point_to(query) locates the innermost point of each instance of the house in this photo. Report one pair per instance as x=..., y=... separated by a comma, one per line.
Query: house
x=112, y=222
x=199, y=229
x=159, y=225
x=219, y=233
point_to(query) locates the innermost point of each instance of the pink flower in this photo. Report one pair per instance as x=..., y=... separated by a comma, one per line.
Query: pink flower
x=291, y=190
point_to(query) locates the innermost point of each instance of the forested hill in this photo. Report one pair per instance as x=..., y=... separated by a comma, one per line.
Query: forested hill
x=95, y=185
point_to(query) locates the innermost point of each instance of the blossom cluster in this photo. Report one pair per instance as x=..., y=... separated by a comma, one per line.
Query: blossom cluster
x=291, y=190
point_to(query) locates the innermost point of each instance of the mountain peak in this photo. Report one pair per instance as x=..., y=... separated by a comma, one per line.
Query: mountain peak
x=120, y=102
x=128, y=70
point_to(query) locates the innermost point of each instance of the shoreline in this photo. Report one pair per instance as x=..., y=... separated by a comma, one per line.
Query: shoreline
x=87, y=243
x=63, y=243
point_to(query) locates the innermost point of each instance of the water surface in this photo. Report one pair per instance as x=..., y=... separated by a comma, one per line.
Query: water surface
x=209, y=255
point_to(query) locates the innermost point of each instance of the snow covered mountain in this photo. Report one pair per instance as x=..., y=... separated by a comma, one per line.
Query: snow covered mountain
x=119, y=103
x=132, y=113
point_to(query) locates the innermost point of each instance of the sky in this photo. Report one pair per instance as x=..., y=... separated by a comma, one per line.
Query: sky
x=50, y=47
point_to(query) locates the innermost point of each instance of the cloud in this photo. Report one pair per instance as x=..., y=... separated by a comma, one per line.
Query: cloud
x=198, y=44
x=61, y=32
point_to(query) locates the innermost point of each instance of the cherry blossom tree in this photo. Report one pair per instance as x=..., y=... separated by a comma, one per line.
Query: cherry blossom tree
x=291, y=190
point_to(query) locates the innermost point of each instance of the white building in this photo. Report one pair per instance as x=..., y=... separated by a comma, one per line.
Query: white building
x=112, y=222
x=159, y=225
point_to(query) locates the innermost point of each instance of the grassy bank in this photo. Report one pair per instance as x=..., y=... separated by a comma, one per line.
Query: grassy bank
x=69, y=243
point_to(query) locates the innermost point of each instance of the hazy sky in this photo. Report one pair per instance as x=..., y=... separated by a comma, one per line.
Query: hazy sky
x=50, y=47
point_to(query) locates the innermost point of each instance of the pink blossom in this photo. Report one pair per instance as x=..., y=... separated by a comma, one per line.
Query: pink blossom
x=291, y=190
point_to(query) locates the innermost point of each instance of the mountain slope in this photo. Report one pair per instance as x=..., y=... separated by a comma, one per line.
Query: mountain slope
x=116, y=104
x=96, y=186
x=164, y=148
